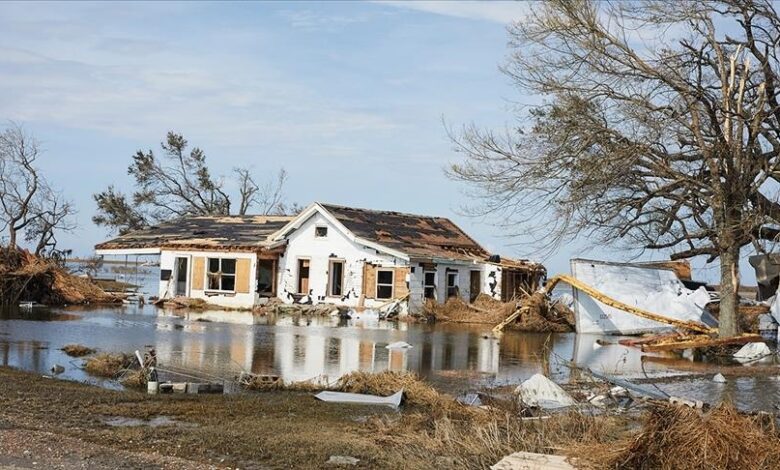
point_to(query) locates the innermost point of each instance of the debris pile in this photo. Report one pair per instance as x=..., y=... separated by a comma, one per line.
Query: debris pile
x=109, y=365
x=484, y=309
x=77, y=350
x=684, y=438
x=25, y=277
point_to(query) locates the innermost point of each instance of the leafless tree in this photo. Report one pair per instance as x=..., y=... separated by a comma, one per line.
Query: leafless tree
x=54, y=215
x=268, y=199
x=28, y=204
x=660, y=128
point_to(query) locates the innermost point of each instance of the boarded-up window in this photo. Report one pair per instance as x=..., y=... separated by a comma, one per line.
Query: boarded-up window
x=198, y=272
x=242, y=275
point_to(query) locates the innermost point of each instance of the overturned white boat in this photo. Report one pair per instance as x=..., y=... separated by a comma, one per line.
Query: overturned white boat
x=393, y=401
x=644, y=286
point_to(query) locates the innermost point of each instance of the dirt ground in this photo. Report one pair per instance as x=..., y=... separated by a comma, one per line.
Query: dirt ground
x=48, y=423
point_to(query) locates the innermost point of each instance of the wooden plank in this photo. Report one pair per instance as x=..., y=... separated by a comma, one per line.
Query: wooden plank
x=242, y=275
x=369, y=281
x=400, y=289
x=198, y=272
x=532, y=461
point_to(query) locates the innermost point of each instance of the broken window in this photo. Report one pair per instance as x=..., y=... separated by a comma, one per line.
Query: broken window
x=265, y=277
x=429, y=285
x=222, y=274
x=320, y=232
x=452, y=284
x=336, y=281
x=384, y=284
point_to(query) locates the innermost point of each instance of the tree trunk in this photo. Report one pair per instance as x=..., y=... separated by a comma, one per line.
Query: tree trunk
x=729, y=292
x=11, y=238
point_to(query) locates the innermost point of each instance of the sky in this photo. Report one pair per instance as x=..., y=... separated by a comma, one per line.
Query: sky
x=353, y=98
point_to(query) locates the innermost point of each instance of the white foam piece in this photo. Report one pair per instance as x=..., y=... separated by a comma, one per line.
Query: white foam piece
x=539, y=391
x=399, y=345
x=752, y=352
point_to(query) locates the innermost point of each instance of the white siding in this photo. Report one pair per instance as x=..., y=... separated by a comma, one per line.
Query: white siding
x=231, y=300
x=302, y=243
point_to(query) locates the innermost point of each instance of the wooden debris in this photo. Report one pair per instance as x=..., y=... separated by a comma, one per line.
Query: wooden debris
x=697, y=341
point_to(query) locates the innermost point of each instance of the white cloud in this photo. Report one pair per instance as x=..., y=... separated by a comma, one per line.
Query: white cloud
x=496, y=11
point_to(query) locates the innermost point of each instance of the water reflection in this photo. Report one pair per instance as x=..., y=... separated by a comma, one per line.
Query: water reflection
x=456, y=358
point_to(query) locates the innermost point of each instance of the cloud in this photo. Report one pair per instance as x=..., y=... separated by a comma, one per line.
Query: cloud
x=496, y=11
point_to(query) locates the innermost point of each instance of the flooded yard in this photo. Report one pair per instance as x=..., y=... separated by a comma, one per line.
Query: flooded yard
x=456, y=358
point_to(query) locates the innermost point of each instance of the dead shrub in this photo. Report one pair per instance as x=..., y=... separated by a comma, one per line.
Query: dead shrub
x=108, y=364
x=77, y=350
x=484, y=309
x=135, y=378
x=678, y=437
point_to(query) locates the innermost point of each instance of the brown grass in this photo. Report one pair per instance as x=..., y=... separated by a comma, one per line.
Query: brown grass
x=416, y=391
x=478, y=444
x=108, y=364
x=77, y=350
x=678, y=437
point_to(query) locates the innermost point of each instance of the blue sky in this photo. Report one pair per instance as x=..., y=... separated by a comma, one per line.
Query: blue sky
x=351, y=98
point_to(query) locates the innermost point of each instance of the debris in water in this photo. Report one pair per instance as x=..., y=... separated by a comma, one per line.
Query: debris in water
x=541, y=392
x=719, y=379
x=399, y=345
x=57, y=369
x=752, y=352
x=77, y=350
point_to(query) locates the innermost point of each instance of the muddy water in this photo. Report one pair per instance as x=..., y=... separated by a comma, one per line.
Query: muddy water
x=456, y=358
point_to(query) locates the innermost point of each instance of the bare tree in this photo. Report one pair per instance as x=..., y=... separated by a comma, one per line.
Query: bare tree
x=54, y=215
x=19, y=180
x=180, y=184
x=661, y=128
x=28, y=204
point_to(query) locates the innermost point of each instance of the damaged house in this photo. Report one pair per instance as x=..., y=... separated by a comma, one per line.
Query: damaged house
x=326, y=254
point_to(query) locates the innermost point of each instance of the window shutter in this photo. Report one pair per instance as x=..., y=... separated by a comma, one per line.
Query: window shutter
x=400, y=289
x=369, y=280
x=242, y=275
x=198, y=272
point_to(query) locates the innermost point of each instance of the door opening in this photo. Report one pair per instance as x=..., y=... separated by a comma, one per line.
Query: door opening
x=475, y=286
x=266, y=270
x=303, y=276
x=180, y=288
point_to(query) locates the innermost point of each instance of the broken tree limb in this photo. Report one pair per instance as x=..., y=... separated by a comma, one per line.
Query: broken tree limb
x=605, y=299
x=698, y=341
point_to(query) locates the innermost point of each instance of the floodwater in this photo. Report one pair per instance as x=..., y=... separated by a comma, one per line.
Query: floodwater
x=456, y=358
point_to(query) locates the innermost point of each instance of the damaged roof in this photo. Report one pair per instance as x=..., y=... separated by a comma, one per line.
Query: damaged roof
x=418, y=236
x=246, y=232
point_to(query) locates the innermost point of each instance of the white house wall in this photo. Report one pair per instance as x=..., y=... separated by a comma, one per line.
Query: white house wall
x=302, y=244
x=230, y=300
x=490, y=282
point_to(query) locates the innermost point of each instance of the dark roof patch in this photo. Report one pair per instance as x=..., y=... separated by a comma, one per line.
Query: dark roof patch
x=203, y=232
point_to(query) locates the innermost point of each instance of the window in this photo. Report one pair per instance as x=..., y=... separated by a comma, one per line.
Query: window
x=336, y=278
x=384, y=284
x=429, y=285
x=452, y=284
x=222, y=274
x=320, y=232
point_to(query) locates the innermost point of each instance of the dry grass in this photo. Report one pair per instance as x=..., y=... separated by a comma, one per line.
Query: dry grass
x=108, y=364
x=481, y=443
x=416, y=391
x=540, y=316
x=259, y=384
x=77, y=350
x=135, y=378
x=678, y=437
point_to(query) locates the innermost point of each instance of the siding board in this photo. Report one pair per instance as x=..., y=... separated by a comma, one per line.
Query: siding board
x=242, y=275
